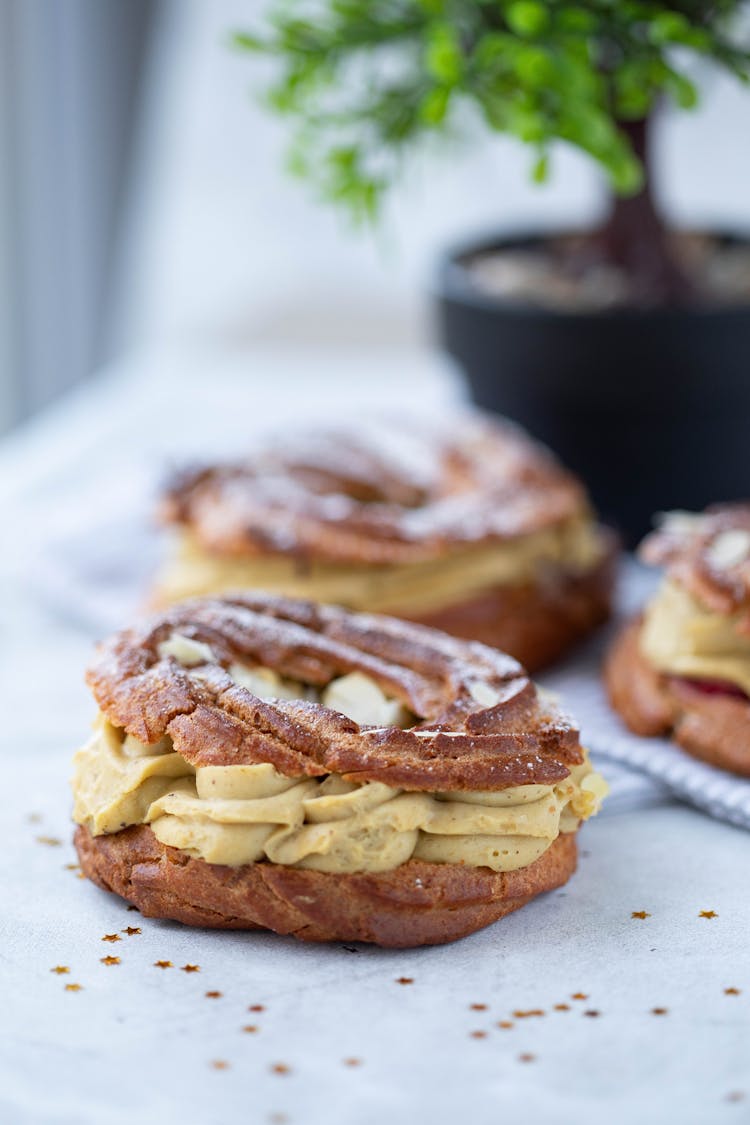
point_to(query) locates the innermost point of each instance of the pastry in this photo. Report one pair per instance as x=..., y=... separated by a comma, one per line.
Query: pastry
x=682, y=667
x=267, y=763
x=469, y=527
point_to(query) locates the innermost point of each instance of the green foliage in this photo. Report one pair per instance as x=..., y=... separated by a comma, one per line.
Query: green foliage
x=364, y=80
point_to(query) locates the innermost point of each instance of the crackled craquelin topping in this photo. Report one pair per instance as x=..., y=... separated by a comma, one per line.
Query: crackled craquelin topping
x=707, y=554
x=474, y=719
x=392, y=493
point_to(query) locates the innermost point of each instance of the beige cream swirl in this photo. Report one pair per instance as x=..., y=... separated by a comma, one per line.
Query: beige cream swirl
x=235, y=815
x=419, y=587
x=684, y=638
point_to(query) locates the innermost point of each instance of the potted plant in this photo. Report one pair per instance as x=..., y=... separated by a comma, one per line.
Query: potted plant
x=626, y=347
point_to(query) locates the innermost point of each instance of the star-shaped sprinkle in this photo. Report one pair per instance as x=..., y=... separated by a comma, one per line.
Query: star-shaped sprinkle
x=640, y=914
x=162, y=964
x=130, y=930
x=592, y=1013
x=659, y=1011
x=579, y=996
x=213, y=995
x=190, y=968
x=280, y=1068
x=526, y=1057
x=562, y=1007
x=220, y=1064
x=505, y=1024
x=60, y=969
x=478, y=1007
x=251, y=1028
x=732, y=991
x=111, y=937
x=478, y=1034
x=49, y=841
x=404, y=980
x=73, y=987
x=256, y=1008
x=110, y=960
x=708, y=914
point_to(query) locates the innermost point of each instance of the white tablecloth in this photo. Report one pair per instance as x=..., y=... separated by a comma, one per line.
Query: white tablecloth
x=139, y=1043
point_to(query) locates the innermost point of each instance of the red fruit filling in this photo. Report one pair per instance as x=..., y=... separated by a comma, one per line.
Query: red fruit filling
x=714, y=687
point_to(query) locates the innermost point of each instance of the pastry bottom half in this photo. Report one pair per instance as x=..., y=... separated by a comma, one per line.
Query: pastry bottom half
x=536, y=622
x=415, y=904
x=714, y=727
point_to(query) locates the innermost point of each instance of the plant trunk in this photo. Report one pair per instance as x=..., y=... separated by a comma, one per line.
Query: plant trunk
x=635, y=238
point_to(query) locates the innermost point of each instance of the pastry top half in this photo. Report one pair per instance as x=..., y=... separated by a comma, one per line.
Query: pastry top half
x=393, y=492
x=400, y=517
x=698, y=624
x=256, y=727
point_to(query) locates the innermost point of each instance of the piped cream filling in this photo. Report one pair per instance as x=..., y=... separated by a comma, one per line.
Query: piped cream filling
x=419, y=587
x=235, y=815
x=683, y=638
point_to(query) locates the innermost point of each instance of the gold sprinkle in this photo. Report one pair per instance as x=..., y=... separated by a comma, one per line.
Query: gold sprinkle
x=71, y=867
x=81, y=875
x=526, y=1058
x=404, y=980
x=505, y=1024
x=109, y=960
x=592, y=1013
x=34, y=818
x=130, y=930
x=111, y=937
x=251, y=1028
x=659, y=1011
x=478, y=1007
x=162, y=964
x=256, y=1008
x=213, y=995
x=280, y=1068
x=562, y=1007
x=640, y=914
x=49, y=841
x=732, y=991
x=220, y=1064
x=708, y=914
x=519, y=1015
x=73, y=987
x=478, y=1034
x=190, y=968
x=579, y=996
x=60, y=969
x=352, y=1062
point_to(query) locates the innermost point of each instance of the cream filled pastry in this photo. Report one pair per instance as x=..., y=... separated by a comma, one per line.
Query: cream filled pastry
x=467, y=526
x=266, y=763
x=683, y=666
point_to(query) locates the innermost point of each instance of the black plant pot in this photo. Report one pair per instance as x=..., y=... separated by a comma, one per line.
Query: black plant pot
x=650, y=407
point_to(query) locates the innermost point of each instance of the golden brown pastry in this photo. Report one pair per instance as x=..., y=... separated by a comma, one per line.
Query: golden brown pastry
x=682, y=667
x=469, y=527
x=267, y=763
